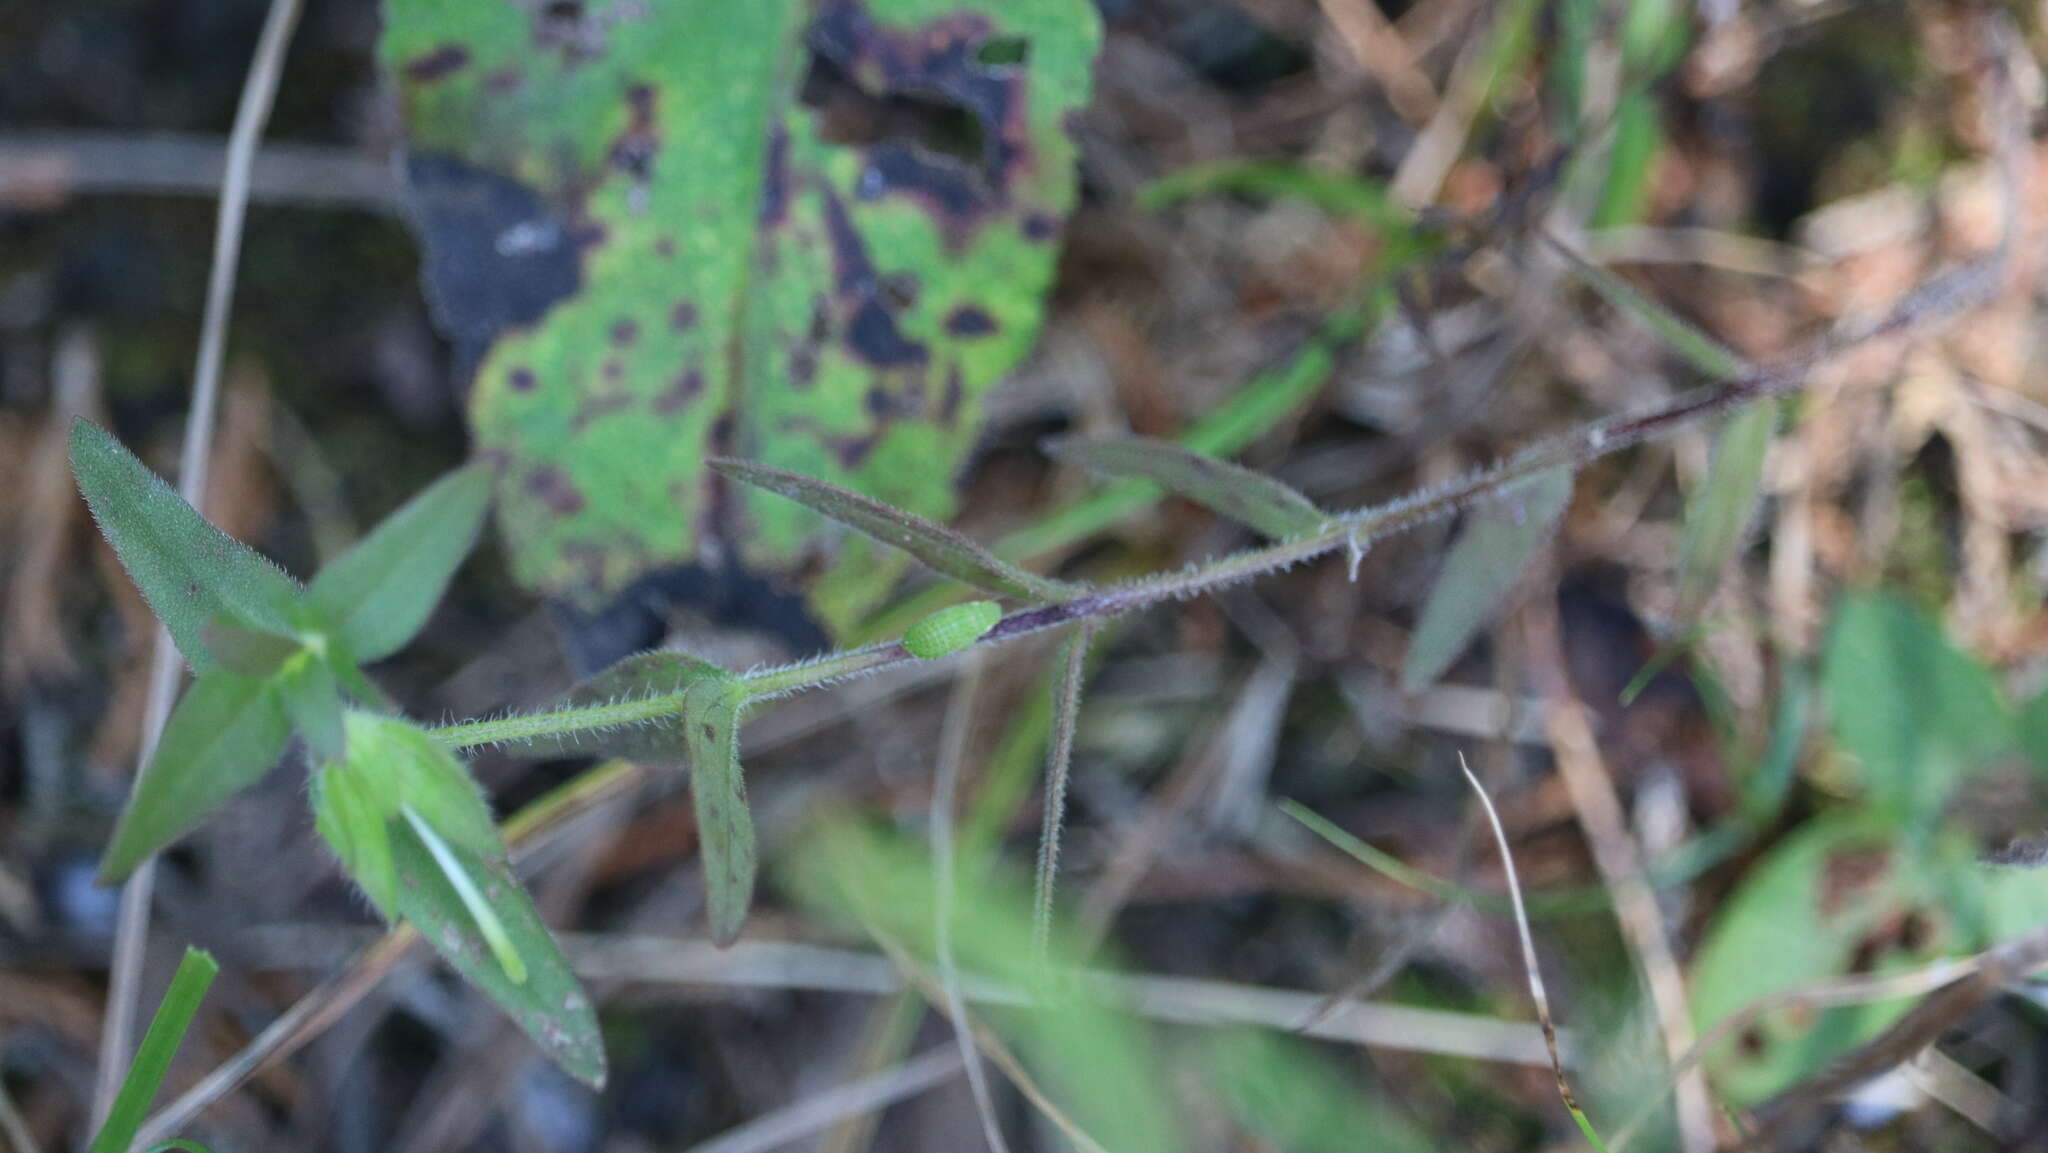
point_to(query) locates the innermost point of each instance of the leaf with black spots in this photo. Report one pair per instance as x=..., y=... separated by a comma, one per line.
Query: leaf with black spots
x=813, y=235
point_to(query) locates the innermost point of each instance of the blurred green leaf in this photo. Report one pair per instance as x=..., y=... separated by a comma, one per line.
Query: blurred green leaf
x=398, y=764
x=190, y=572
x=377, y=595
x=225, y=733
x=1095, y=1061
x=250, y=652
x=1720, y=508
x=1917, y=712
x=1224, y=488
x=549, y=1003
x=939, y=547
x=1501, y=535
x=1290, y=1098
x=196, y=971
x=357, y=826
x=710, y=262
x=718, y=791
x=1691, y=345
x=1840, y=895
x=1638, y=131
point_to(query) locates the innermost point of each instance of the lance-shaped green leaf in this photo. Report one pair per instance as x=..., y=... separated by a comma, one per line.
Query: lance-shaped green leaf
x=250, y=652
x=1224, y=488
x=658, y=674
x=548, y=1003
x=190, y=572
x=412, y=829
x=677, y=230
x=718, y=791
x=1720, y=508
x=1689, y=343
x=226, y=732
x=375, y=596
x=1500, y=536
x=939, y=547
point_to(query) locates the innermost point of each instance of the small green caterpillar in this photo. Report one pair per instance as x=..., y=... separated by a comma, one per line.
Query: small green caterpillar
x=952, y=629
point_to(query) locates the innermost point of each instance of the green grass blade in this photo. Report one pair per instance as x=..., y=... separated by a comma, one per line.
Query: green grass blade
x=1687, y=342
x=1224, y=488
x=377, y=595
x=1720, y=509
x=189, y=571
x=1496, y=544
x=937, y=546
x=166, y=1032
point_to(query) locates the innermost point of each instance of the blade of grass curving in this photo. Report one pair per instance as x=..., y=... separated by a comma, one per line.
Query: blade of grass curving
x=377, y=595
x=153, y=1059
x=190, y=572
x=480, y=911
x=1528, y=941
x=549, y=1005
x=939, y=547
x=1066, y=709
x=224, y=735
x=1499, y=538
x=1347, y=195
x=1227, y=489
x=1720, y=508
x=1689, y=343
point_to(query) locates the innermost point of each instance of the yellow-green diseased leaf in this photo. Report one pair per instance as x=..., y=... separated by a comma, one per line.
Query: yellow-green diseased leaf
x=1842, y=895
x=1691, y=345
x=1917, y=713
x=480, y=911
x=357, y=826
x=225, y=733
x=1098, y=1064
x=951, y=629
x=312, y=700
x=637, y=678
x=1499, y=538
x=939, y=547
x=190, y=572
x=548, y=1004
x=1719, y=509
x=196, y=971
x=718, y=792
x=1288, y=1095
x=661, y=245
x=1220, y=486
x=250, y=652
x=375, y=596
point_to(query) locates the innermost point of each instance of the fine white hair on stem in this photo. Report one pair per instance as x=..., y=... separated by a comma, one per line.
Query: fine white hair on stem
x=952, y=756
x=1536, y=993
x=1066, y=710
x=131, y=929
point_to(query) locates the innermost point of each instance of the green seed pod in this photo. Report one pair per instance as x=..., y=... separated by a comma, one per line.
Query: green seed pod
x=953, y=629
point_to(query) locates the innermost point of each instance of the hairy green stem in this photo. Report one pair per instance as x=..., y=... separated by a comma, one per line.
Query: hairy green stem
x=1352, y=530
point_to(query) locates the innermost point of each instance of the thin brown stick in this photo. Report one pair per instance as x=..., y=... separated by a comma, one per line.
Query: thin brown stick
x=1615, y=854
x=131, y=931
x=1528, y=940
x=819, y=1111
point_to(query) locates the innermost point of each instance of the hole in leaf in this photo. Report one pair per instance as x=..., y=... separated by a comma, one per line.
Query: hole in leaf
x=1003, y=51
x=848, y=114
